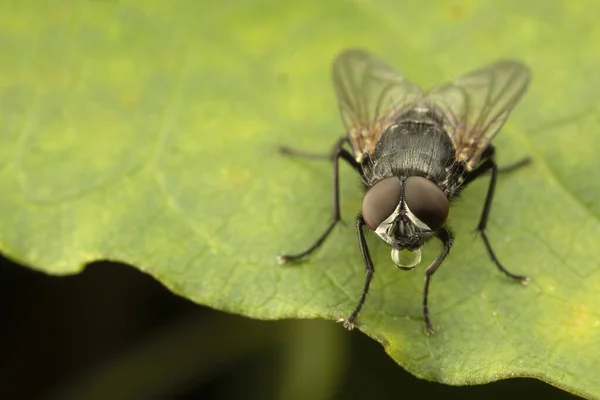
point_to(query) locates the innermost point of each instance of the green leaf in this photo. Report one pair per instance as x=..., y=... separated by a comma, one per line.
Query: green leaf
x=145, y=132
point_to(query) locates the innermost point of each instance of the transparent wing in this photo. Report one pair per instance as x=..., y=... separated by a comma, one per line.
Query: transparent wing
x=477, y=105
x=369, y=94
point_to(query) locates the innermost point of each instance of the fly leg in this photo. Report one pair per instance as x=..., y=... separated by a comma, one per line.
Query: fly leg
x=515, y=165
x=447, y=240
x=364, y=249
x=290, y=151
x=489, y=165
x=337, y=153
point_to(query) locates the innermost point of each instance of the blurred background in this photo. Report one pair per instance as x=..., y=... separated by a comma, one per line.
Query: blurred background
x=114, y=332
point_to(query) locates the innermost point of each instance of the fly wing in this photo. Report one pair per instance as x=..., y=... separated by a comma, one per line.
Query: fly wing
x=370, y=93
x=477, y=105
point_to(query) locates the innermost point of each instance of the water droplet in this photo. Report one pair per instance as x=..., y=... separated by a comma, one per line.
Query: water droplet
x=406, y=259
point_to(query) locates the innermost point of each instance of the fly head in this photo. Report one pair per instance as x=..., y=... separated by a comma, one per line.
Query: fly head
x=404, y=213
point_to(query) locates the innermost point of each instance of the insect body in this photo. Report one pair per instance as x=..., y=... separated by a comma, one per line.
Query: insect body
x=415, y=152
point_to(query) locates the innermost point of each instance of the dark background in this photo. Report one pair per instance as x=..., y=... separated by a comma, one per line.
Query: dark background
x=114, y=331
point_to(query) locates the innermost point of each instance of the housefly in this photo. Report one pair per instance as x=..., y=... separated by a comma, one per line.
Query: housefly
x=415, y=152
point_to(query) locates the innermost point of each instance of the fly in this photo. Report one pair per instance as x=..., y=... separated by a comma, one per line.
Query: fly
x=415, y=152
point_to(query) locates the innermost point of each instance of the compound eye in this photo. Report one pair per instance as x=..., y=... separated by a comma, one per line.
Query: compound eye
x=426, y=201
x=381, y=200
